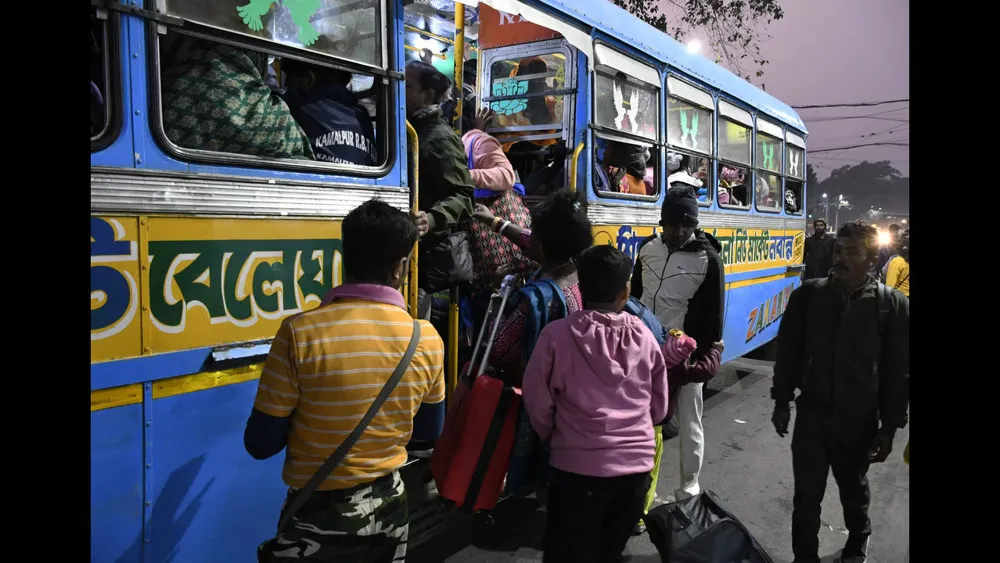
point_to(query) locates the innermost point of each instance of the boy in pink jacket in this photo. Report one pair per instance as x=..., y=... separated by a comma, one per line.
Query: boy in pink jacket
x=593, y=387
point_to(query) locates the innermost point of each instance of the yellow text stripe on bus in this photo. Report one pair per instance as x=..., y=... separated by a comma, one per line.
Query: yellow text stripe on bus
x=115, y=397
x=132, y=394
x=755, y=281
x=205, y=380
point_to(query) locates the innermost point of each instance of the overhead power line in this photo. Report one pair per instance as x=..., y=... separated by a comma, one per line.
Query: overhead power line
x=877, y=115
x=855, y=105
x=832, y=149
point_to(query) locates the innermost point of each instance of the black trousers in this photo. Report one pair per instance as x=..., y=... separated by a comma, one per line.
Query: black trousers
x=590, y=519
x=821, y=442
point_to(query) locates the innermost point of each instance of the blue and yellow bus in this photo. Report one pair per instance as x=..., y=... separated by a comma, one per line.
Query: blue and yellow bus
x=198, y=253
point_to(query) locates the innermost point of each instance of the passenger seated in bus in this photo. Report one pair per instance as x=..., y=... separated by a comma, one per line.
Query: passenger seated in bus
x=593, y=387
x=447, y=192
x=338, y=127
x=791, y=202
x=559, y=231
x=732, y=187
x=625, y=166
x=765, y=195
x=681, y=177
x=324, y=369
x=215, y=98
x=702, y=175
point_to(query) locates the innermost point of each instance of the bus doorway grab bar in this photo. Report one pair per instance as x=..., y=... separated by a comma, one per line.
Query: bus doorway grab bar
x=412, y=289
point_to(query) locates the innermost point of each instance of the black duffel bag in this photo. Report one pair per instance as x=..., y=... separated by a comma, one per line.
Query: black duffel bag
x=445, y=263
x=702, y=530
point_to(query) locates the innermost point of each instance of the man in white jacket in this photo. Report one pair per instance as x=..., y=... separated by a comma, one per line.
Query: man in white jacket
x=679, y=275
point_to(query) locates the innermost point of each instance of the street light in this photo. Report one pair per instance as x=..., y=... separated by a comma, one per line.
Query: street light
x=693, y=46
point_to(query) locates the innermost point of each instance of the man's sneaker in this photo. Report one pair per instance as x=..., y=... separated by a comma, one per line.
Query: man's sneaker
x=640, y=528
x=853, y=552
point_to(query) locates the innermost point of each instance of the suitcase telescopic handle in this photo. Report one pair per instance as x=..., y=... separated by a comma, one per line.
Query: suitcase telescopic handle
x=492, y=324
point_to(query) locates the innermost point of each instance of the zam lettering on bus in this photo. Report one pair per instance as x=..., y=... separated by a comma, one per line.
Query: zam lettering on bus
x=768, y=312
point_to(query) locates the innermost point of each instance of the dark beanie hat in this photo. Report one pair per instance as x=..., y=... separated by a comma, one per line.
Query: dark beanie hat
x=680, y=207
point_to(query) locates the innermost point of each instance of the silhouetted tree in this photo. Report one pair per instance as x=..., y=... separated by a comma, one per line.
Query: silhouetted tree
x=812, y=180
x=867, y=184
x=734, y=27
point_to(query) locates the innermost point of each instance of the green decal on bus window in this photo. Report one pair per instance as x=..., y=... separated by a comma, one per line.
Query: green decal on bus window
x=689, y=133
x=510, y=87
x=767, y=150
x=300, y=10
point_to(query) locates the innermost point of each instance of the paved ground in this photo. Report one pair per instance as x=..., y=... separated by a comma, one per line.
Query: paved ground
x=747, y=465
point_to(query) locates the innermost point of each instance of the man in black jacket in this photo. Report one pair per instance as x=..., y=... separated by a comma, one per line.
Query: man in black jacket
x=844, y=343
x=679, y=276
x=818, y=256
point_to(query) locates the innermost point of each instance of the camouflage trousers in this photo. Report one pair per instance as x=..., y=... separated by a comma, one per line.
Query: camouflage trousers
x=364, y=524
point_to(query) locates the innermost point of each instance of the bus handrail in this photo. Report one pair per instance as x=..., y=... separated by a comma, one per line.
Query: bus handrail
x=573, y=165
x=411, y=134
x=453, y=296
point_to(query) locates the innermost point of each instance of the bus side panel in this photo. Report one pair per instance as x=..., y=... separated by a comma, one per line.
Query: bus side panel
x=116, y=484
x=753, y=312
x=212, y=502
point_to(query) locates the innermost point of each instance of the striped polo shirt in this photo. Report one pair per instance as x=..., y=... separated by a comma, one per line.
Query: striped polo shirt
x=324, y=370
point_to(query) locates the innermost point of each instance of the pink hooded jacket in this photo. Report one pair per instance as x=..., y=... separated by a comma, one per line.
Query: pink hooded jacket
x=594, y=386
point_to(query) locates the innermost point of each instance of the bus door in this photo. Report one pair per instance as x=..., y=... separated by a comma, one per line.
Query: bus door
x=527, y=76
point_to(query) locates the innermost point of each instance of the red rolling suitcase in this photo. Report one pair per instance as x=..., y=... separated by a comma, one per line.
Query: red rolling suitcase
x=471, y=457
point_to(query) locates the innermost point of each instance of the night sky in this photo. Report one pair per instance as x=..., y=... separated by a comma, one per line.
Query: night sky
x=843, y=51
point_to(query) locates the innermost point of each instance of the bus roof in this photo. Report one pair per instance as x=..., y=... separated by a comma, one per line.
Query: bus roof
x=668, y=50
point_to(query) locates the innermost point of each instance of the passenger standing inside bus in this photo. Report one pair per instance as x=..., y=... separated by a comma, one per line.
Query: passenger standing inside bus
x=325, y=368
x=679, y=276
x=446, y=188
x=818, y=255
x=846, y=347
x=339, y=127
x=592, y=388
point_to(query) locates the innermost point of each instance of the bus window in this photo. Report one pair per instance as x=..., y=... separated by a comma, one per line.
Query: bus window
x=795, y=164
x=735, y=154
x=689, y=138
x=295, y=106
x=768, y=194
x=626, y=125
x=530, y=128
x=101, y=100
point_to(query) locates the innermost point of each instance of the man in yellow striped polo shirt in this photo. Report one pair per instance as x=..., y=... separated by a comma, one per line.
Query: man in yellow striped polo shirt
x=324, y=370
